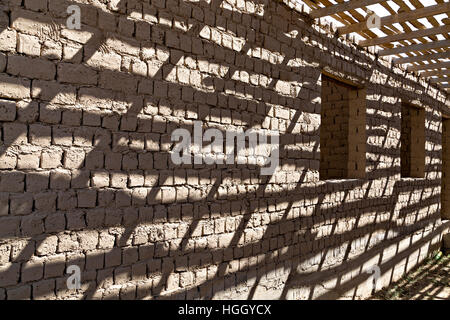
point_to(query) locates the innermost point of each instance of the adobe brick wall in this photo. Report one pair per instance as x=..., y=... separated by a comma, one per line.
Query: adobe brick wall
x=445, y=168
x=87, y=180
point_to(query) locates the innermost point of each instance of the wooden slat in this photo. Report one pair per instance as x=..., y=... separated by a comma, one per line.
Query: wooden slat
x=415, y=47
x=432, y=20
x=424, y=57
x=429, y=66
x=439, y=73
x=352, y=15
x=440, y=79
x=444, y=85
x=415, y=44
x=341, y=7
x=368, y=34
x=401, y=17
x=405, y=36
x=415, y=23
x=350, y=18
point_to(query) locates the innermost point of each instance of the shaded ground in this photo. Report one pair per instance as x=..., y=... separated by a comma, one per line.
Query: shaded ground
x=429, y=281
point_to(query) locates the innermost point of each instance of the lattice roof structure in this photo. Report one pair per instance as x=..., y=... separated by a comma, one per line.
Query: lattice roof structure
x=412, y=34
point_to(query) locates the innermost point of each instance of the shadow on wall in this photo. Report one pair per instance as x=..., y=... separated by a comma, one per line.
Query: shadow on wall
x=87, y=178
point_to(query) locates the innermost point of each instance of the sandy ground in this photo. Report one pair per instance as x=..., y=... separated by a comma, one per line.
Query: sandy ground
x=430, y=281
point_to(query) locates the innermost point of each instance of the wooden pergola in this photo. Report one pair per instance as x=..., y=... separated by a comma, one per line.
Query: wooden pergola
x=418, y=48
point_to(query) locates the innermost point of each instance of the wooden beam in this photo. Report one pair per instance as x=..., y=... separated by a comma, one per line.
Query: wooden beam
x=341, y=7
x=444, y=85
x=405, y=36
x=415, y=47
x=430, y=66
x=439, y=73
x=439, y=79
x=424, y=57
x=400, y=17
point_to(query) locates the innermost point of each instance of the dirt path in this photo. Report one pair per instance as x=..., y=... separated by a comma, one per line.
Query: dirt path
x=430, y=281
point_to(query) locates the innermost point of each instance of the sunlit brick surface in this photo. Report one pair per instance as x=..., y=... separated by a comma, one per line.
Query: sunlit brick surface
x=445, y=169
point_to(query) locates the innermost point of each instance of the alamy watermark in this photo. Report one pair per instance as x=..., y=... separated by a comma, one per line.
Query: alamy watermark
x=74, y=280
x=73, y=22
x=376, y=271
x=250, y=147
x=373, y=20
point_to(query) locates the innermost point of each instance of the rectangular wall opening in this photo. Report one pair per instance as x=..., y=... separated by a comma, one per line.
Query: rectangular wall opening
x=412, y=141
x=445, y=188
x=342, y=130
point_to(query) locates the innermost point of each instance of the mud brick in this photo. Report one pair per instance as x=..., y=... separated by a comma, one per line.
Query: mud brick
x=20, y=293
x=2, y=62
x=21, y=204
x=8, y=161
x=32, y=225
x=55, y=266
x=9, y=274
x=15, y=133
x=37, y=181
x=113, y=257
x=7, y=110
x=51, y=160
x=4, y=203
x=49, y=113
x=60, y=179
x=95, y=160
x=31, y=68
x=28, y=161
x=54, y=92
x=27, y=112
x=47, y=246
x=94, y=259
x=28, y=45
x=62, y=135
x=45, y=201
x=88, y=239
x=14, y=88
x=10, y=226
x=12, y=181
x=32, y=270
x=52, y=50
x=71, y=117
x=119, y=82
x=76, y=74
x=44, y=290
x=74, y=158
x=40, y=134
x=87, y=198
